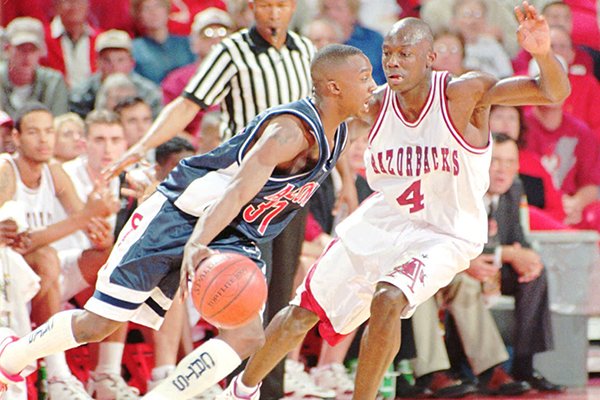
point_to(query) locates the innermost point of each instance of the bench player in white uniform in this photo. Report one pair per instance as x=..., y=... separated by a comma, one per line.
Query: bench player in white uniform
x=242, y=193
x=428, y=160
x=30, y=178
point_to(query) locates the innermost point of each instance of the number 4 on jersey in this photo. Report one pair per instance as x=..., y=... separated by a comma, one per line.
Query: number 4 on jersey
x=412, y=197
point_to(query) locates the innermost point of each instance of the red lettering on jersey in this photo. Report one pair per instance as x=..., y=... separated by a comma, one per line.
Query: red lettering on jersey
x=419, y=153
x=389, y=155
x=399, y=161
x=426, y=168
x=374, y=164
x=413, y=269
x=445, y=163
x=135, y=220
x=434, y=157
x=409, y=169
x=455, y=163
x=277, y=202
x=380, y=159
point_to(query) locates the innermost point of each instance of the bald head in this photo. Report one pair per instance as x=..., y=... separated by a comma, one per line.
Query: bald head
x=328, y=60
x=410, y=32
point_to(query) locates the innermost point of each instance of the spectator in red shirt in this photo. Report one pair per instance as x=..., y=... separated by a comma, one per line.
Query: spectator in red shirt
x=182, y=13
x=570, y=152
x=209, y=28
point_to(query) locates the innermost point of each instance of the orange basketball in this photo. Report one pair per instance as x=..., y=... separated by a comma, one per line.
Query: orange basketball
x=229, y=290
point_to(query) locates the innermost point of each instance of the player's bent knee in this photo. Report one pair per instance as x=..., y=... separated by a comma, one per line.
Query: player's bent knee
x=299, y=320
x=245, y=340
x=388, y=299
x=89, y=327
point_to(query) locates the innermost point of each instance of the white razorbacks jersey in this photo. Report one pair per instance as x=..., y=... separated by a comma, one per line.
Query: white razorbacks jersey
x=426, y=170
x=38, y=202
x=77, y=170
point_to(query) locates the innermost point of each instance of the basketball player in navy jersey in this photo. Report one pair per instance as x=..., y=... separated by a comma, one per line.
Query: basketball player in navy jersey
x=428, y=160
x=242, y=193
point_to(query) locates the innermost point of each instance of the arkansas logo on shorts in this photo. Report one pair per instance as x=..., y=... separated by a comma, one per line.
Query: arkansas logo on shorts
x=413, y=269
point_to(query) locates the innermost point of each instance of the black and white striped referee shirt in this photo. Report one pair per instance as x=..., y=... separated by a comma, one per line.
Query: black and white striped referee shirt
x=247, y=75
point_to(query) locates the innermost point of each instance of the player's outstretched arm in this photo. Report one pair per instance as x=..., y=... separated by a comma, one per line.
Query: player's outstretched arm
x=173, y=119
x=552, y=84
x=281, y=141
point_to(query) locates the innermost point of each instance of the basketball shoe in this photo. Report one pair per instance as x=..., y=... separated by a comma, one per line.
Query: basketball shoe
x=297, y=383
x=7, y=336
x=69, y=388
x=230, y=392
x=110, y=387
x=333, y=377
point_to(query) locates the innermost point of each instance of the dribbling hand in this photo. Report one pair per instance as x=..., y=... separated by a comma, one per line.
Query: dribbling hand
x=193, y=254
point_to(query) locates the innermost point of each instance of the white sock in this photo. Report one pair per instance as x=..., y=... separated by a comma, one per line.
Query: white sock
x=57, y=367
x=54, y=336
x=110, y=355
x=160, y=373
x=243, y=390
x=199, y=370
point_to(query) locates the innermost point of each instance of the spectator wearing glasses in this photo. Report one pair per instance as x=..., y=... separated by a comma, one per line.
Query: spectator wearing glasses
x=209, y=28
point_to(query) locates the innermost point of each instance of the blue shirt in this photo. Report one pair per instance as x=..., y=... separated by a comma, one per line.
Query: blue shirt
x=370, y=42
x=155, y=60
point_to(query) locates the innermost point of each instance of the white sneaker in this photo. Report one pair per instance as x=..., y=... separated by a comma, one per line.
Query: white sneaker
x=67, y=389
x=229, y=393
x=297, y=383
x=110, y=387
x=334, y=377
x=7, y=336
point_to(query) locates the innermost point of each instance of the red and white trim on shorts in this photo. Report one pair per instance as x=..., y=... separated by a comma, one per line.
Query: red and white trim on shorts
x=308, y=301
x=5, y=377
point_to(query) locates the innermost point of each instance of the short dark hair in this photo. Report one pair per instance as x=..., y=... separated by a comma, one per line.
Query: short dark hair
x=172, y=146
x=129, y=101
x=28, y=108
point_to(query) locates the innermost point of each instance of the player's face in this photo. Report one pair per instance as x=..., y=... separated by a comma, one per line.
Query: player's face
x=273, y=17
x=357, y=84
x=163, y=170
x=406, y=63
x=136, y=121
x=504, y=166
x=105, y=144
x=69, y=141
x=505, y=119
x=36, y=138
x=449, y=54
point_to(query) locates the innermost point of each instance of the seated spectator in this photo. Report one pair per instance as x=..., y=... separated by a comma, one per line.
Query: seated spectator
x=38, y=183
x=155, y=42
x=522, y=273
x=482, y=51
x=70, y=143
x=169, y=154
x=569, y=151
x=182, y=14
x=22, y=79
x=558, y=14
x=115, y=88
x=209, y=28
x=323, y=31
x=7, y=145
x=70, y=41
x=136, y=118
x=345, y=13
x=113, y=55
x=450, y=50
x=585, y=18
x=240, y=12
x=210, y=132
x=543, y=197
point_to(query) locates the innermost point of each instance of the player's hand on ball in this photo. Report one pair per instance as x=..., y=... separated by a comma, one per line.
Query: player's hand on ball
x=193, y=254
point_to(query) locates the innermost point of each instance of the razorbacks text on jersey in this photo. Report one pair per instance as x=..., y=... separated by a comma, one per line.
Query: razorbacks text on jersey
x=425, y=169
x=199, y=180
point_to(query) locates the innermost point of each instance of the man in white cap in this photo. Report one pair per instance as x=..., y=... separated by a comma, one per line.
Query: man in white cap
x=113, y=55
x=209, y=27
x=22, y=79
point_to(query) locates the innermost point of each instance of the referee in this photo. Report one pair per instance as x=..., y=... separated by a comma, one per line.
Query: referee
x=248, y=72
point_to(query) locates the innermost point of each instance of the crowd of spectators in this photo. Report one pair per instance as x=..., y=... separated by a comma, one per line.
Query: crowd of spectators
x=81, y=81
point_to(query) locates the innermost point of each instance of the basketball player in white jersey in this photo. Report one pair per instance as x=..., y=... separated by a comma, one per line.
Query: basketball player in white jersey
x=30, y=178
x=428, y=160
